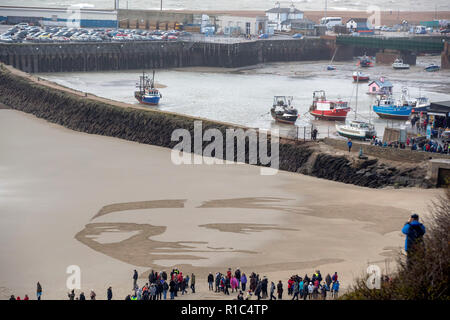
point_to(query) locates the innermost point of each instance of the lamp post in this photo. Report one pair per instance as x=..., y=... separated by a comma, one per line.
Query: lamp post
x=161, y=5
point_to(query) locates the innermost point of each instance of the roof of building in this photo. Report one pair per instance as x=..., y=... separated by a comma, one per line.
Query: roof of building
x=357, y=20
x=382, y=84
x=283, y=10
x=440, y=106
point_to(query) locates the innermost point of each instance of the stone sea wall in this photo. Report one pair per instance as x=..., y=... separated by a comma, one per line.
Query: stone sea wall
x=68, y=57
x=155, y=128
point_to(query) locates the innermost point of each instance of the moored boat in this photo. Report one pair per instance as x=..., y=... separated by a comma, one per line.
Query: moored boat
x=399, y=65
x=365, y=62
x=432, y=67
x=360, y=77
x=331, y=67
x=420, y=104
x=356, y=130
x=324, y=109
x=387, y=108
x=283, y=111
x=147, y=93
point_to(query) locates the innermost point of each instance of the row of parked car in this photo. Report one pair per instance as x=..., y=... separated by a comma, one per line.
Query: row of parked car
x=26, y=33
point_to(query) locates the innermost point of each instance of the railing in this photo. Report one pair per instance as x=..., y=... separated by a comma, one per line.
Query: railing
x=411, y=44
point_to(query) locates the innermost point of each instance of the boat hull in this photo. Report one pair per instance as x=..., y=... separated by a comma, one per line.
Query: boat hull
x=394, y=113
x=284, y=119
x=330, y=115
x=401, y=68
x=432, y=69
x=153, y=100
x=361, y=79
x=354, y=134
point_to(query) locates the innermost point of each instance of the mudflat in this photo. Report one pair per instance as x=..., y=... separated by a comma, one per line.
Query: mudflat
x=110, y=206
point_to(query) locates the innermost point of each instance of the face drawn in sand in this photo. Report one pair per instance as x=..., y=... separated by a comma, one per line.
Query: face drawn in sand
x=141, y=245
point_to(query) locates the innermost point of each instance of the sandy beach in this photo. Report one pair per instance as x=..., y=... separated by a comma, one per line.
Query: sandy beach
x=110, y=206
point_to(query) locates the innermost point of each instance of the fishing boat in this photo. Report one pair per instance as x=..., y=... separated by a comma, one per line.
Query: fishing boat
x=324, y=109
x=399, y=65
x=282, y=110
x=420, y=104
x=432, y=67
x=365, y=62
x=147, y=93
x=361, y=77
x=356, y=129
x=387, y=108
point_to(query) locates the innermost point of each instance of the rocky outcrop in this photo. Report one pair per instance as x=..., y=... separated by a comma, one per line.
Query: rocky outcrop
x=155, y=128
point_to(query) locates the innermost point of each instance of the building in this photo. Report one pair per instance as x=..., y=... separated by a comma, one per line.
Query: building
x=236, y=25
x=279, y=18
x=72, y=16
x=360, y=25
x=439, y=112
x=303, y=26
x=381, y=86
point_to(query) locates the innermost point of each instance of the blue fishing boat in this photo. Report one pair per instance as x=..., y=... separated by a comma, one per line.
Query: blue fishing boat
x=432, y=67
x=147, y=93
x=388, y=108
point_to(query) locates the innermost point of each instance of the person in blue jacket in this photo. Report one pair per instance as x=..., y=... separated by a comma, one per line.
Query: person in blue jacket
x=414, y=231
x=349, y=144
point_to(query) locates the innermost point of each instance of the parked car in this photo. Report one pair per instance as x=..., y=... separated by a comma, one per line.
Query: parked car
x=297, y=36
x=263, y=36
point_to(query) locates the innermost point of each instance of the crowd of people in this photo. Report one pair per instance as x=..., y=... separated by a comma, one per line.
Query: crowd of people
x=160, y=284
x=419, y=144
x=163, y=286
x=255, y=287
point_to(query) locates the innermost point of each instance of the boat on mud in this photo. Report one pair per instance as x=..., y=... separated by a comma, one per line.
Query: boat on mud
x=356, y=130
x=399, y=65
x=283, y=111
x=387, y=108
x=324, y=109
x=365, y=62
x=147, y=93
x=358, y=76
x=432, y=67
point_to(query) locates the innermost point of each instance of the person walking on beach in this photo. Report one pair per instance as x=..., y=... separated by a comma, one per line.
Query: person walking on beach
x=165, y=288
x=336, y=289
x=243, y=282
x=82, y=297
x=39, y=291
x=280, y=290
x=349, y=144
x=109, y=294
x=295, y=290
x=414, y=231
x=328, y=280
x=135, y=278
x=272, y=291
x=193, y=282
x=71, y=295
x=210, y=281
x=93, y=295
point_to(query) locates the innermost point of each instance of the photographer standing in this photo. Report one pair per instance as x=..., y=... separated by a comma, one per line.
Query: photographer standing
x=414, y=231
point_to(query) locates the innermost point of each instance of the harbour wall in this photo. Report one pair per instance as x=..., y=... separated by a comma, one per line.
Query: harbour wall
x=57, y=57
x=155, y=127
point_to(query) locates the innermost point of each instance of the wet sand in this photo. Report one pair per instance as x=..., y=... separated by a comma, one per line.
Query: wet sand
x=110, y=206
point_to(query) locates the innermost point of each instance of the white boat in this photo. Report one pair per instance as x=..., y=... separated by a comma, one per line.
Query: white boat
x=398, y=64
x=356, y=130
